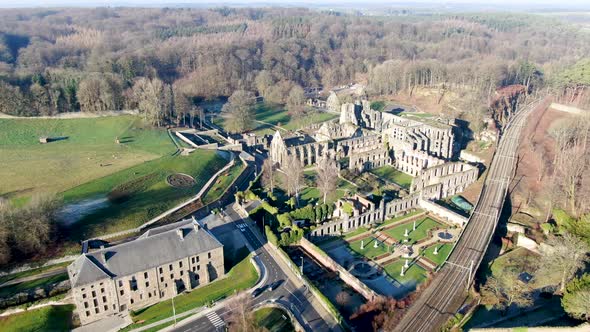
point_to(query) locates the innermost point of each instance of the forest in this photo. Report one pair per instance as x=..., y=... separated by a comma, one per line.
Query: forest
x=161, y=61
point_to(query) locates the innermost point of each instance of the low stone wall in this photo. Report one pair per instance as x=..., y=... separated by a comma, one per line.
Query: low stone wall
x=346, y=276
x=443, y=212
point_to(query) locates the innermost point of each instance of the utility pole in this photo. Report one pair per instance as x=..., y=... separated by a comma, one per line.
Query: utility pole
x=301, y=265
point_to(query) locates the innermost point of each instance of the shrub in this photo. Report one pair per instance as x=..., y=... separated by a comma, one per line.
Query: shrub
x=271, y=236
x=284, y=220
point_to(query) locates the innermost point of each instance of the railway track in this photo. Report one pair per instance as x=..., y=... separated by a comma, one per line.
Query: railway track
x=448, y=290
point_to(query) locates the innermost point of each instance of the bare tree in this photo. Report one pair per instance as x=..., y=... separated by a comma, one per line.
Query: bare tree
x=327, y=179
x=268, y=175
x=241, y=318
x=566, y=255
x=296, y=102
x=506, y=289
x=292, y=175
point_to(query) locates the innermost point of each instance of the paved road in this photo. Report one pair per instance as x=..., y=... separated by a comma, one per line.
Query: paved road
x=446, y=294
x=290, y=292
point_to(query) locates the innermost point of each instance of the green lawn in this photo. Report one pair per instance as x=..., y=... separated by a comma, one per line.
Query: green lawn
x=421, y=232
x=14, y=289
x=412, y=276
x=443, y=252
x=273, y=320
x=89, y=143
x=145, y=192
x=369, y=250
x=396, y=219
x=50, y=318
x=242, y=276
x=393, y=175
x=356, y=232
x=223, y=181
x=32, y=272
x=273, y=115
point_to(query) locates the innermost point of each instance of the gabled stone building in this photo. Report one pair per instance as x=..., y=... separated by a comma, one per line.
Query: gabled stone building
x=158, y=265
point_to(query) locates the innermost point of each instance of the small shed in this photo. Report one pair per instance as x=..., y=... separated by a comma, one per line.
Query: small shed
x=43, y=139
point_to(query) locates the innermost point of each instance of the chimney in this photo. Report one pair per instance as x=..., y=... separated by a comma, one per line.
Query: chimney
x=196, y=226
x=180, y=233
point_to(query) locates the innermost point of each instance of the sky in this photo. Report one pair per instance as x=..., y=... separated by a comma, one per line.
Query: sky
x=574, y=4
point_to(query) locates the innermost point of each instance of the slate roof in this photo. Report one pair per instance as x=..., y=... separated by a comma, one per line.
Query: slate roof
x=154, y=248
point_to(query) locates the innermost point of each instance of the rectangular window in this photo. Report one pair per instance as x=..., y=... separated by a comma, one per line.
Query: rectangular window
x=150, y=295
x=85, y=304
x=122, y=292
x=180, y=264
x=171, y=275
x=106, y=308
x=93, y=294
x=131, y=301
x=198, y=267
x=84, y=295
x=120, y=283
x=161, y=269
x=104, y=299
x=161, y=279
x=209, y=255
x=170, y=267
x=147, y=284
x=95, y=302
x=197, y=259
x=181, y=273
x=96, y=310
x=145, y=275
x=102, y=290
x=87, y=313
x=193, y=260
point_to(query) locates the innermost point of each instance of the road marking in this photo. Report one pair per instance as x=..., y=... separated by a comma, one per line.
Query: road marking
x=215, y=319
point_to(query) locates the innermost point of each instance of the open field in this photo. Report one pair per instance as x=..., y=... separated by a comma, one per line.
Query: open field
x=272, y=319
x=393, y=175
x=139, y=193
x=421, y=232
x=242, y=276
x=404, y=216
x=27, y=166
x=50, y=318
x=412, y=276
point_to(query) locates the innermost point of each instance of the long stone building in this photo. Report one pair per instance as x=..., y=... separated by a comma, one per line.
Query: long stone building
x=158, y=265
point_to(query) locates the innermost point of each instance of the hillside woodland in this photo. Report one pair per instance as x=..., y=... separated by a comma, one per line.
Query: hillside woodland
x=162, y=60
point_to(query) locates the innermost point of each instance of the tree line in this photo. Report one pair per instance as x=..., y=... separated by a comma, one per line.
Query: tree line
x=69, y=60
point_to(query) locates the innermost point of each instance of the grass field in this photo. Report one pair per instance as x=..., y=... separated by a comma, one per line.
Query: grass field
x=242, y=276
x=141, y=192
x=16, y=288
x=356, y=232
x=50, y=318
x=27, y=166
x=443, y=252
x=396, y=219
x=412, y=276
x=393, y=175
x=271, y=116
x=369, y=250
x=421, y=232
x=273, y=320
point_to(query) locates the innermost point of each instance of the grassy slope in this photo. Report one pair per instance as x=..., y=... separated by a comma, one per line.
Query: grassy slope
x=223, y=181
x=154, y=197
x=242, y=276
x=90, y=142
x=32, y=272
x=50, y=318
x=272, y=320
x=14, y=289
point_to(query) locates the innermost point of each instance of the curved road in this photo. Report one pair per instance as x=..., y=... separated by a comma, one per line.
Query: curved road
x=448, y=290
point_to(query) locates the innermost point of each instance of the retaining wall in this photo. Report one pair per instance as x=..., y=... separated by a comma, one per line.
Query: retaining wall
x=346, y=276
